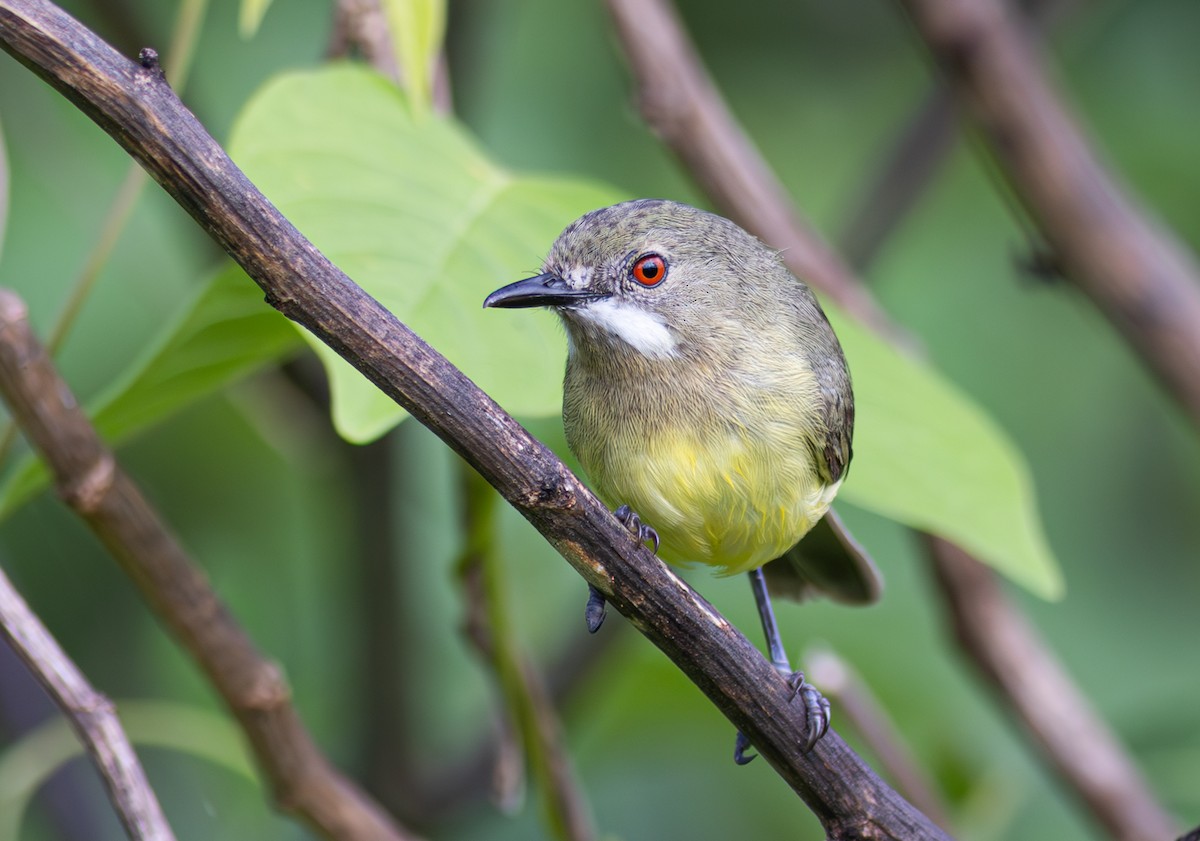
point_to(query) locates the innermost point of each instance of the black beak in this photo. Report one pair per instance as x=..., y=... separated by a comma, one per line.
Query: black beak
x=545, y=290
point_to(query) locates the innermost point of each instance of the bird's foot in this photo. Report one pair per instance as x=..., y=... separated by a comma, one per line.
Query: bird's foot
x=816, y=718
x=816, y=709
x=595, y=611
x=634, y=525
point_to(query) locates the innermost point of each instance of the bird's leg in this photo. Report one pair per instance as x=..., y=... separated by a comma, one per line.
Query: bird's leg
x=595, y=611
x=816, y=707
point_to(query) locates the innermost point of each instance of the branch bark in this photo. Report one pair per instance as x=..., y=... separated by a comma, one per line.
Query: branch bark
x=1143, y=280
x=133, y=103
x=90, y=714
x=91, y=482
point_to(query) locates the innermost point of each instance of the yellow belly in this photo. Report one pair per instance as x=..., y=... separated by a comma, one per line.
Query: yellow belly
x=726, y=501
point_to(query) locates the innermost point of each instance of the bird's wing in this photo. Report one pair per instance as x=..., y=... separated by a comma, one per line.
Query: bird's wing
x=827, y=562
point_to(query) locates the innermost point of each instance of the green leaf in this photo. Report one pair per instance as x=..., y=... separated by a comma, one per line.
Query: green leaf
x=27, y=763
x=417, y=28
x=250, y=17
x=419, y=217
x=423, y=221
x=223, y=334
x=926, y=456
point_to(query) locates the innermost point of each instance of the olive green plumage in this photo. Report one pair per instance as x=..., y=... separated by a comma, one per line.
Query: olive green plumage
x=714, y=400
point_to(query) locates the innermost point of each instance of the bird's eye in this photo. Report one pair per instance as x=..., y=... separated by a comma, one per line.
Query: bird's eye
x=649, y=270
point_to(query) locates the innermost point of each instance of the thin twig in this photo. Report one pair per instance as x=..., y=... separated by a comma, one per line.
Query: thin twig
x=461, y=785
x=90, y=481
x=362, y=25
x=141, y=112
x=915, y=155
x=904, y=172
x=859, y=706
x=1073, y=738
x=680, y=103
x=90, y=714
x=646, y=25
x=490, y=630
x=1144, y=281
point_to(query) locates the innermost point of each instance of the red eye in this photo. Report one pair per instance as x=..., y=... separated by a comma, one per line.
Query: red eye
x=649, y=270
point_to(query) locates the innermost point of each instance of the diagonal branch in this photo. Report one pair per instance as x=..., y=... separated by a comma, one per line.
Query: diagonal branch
x=682, y=105
x=91, y=714
x=1073, y=737
x=90, y=481
x=1133, y=269
x=666, y=64
x=140, y=111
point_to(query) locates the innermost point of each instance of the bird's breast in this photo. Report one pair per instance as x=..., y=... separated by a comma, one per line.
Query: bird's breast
x=722, y=472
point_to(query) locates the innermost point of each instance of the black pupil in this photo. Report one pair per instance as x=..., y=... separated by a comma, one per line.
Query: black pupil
x=650, y=269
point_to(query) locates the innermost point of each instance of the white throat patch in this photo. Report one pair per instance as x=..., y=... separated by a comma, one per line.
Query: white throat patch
x=645, y=332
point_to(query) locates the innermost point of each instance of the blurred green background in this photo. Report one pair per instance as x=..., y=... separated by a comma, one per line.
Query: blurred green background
x=282, y=515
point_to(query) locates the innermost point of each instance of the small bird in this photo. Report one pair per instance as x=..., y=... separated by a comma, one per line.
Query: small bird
x=708, y=398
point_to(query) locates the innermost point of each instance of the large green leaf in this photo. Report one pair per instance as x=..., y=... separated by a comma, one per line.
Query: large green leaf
x=926, y=456
x=224, y=333
x=418, y=216
x=422, y=220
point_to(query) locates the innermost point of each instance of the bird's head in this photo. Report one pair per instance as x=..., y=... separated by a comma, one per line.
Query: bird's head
x=651, y=277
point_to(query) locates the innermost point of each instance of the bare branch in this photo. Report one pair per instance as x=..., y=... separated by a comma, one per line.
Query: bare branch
x=679, y=101
x=916, y=154
x=90, y=714
x=362, y=24
x=139, y=110
x=908, y=167
x=90, y=481
x=1136, y=272
x=527, y=701
x=645, y=26
x=858, y=705
x=1073, y=738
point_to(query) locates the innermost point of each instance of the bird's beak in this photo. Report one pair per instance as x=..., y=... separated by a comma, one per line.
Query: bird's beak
x=545, y=290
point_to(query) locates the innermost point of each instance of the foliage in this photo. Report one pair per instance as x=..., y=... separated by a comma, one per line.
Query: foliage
x=429, y=214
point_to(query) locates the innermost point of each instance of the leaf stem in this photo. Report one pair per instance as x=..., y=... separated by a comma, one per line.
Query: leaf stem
x=181, y=49
x=526, y=700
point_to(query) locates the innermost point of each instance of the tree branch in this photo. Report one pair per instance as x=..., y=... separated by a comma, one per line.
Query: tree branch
x=916, y=154
x=139, y=110
x=1076, y=741
x=90, y=714
x=681, y=104
x=90, y=481
x=1133, y=269
x=667, y=65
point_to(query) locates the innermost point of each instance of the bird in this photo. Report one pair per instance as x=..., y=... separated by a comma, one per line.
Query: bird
x=709, y=402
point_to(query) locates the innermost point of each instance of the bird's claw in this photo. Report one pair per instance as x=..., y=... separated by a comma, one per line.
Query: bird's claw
x=634, y=525
x=740, y=746
x=595, y=611
x=816, y=709
x=816, y=718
